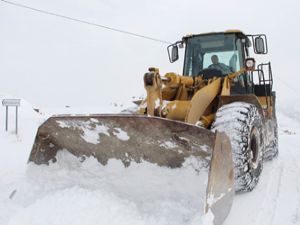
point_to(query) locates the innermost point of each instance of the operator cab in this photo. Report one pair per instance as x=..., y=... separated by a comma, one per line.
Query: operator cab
x=212, y=54
x=219, y=54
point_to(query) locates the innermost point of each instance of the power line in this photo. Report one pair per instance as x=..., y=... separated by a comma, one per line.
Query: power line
x=86, y=22
x=288, y=85
x=108, y=28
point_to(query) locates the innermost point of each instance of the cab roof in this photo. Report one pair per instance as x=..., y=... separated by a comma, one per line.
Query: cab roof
x=210, y=33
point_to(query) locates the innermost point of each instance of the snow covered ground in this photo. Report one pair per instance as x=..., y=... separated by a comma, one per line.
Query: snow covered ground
x=276, y=199
x=66, y=67
x=70, y=192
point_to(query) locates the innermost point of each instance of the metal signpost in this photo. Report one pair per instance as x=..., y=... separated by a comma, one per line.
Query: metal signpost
x=11, y=102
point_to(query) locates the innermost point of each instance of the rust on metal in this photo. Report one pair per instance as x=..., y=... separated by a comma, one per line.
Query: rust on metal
x=156, y=140
x=220, y=188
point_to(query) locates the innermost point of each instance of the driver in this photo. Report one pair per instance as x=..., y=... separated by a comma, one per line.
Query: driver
x=219, y=66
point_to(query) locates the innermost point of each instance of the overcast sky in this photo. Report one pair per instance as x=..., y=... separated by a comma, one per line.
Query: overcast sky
x=54, y=62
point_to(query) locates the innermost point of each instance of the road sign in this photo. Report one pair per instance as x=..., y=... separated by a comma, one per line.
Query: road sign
x=11, y=102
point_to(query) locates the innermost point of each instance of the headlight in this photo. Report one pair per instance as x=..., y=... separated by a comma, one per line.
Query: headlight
x=250, y=64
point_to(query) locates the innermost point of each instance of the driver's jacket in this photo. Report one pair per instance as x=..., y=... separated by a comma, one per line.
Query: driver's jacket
x=222, y=67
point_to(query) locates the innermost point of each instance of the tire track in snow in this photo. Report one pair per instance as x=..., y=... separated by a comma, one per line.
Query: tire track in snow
x=267, y=209
x=288, y=198
x=296, y=216
x=259, y=206
x=279, y=187
x=276, y=199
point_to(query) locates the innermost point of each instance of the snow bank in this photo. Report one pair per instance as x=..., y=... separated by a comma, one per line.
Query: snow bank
x=89, y=193
x=288, y=117
x=71, y=192
x=15, y=148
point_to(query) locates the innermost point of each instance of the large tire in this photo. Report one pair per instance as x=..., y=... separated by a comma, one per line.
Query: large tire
x=242, y=122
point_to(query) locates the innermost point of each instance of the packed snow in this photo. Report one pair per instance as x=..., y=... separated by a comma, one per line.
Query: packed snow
x=86, y=192
x=92, y=131
x=75, y=192
x=121, y=134
x=62, y=67
x=168, y=144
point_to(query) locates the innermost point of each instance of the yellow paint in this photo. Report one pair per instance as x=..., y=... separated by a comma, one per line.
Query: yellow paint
x=176, y=110
x=236, y=74
x=201, y=100
x=233, y=31
x=154, y=95
x=206, y=121
x=267, y=105
x=226, y=87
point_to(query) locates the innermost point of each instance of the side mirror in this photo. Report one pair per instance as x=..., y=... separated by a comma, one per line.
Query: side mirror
x=259, y=45
x=173, y=55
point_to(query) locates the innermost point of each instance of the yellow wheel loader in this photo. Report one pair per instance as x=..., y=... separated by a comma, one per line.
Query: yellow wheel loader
x=221, y=111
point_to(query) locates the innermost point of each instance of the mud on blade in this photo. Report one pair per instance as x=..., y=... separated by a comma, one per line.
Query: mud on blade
x=124, y=137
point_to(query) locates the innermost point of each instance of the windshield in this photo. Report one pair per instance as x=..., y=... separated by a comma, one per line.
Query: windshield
x=215, y=51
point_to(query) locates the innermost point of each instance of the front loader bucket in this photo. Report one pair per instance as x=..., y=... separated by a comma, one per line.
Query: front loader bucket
x=137, y=138
x=124, y=137
x=220, y=190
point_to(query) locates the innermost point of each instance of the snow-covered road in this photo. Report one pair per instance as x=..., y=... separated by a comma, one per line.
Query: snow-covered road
x=82, y=193
x=276, y=199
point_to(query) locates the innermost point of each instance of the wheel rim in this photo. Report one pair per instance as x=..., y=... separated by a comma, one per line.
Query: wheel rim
x=254, y=148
